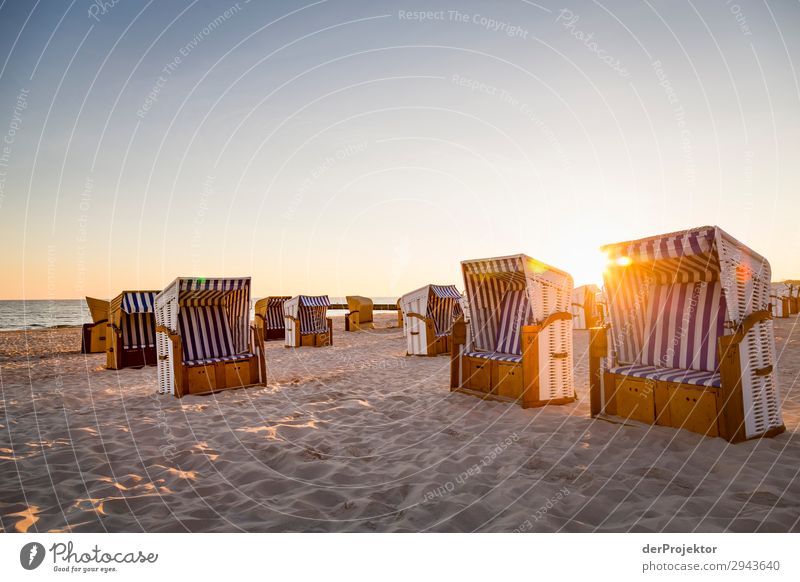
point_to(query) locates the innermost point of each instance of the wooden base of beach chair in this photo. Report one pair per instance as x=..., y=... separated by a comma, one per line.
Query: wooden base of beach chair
x=504, y=381
x=93, y=338
x=119, y=357
x=693, y=408
x=274, y=334
x=708, y=411
x=220, y=376
x=500, y=381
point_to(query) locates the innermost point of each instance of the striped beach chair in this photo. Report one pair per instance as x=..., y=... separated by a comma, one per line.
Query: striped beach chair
x=584, y=307
x=359, y=313
x=307, y=323
x=93, y=335
x=518, y=344
x=204, y=339
x=690, y=343
x=428, y=315
x=131, y=330
x=269, y=317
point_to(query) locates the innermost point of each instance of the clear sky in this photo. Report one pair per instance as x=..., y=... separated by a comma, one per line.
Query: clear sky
x=360, y=147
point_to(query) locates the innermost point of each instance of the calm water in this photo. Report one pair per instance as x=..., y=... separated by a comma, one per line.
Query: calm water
x=42, y=314
x=74, y=312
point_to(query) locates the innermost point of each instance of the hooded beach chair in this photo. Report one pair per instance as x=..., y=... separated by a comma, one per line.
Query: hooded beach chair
x=204, y=339
x=793, y=287
x=269, y=317
x=584, y=307
x=131, y=335
x=93, y=335
x=779, y=299
x=690, y=342
x=307, y=323
x=399, y=315
x=519, y=344
x=428, y=316
x=359, y=314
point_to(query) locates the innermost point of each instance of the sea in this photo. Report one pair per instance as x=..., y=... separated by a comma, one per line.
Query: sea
x=50, y=313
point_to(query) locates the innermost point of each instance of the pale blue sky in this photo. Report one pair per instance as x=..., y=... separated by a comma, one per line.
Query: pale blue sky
x=348, y=147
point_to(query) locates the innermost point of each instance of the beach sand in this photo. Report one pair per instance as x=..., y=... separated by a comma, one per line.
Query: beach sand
x=360, y=437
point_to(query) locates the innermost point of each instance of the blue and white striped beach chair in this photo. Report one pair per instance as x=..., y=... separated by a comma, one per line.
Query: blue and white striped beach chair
x=517, y=346
x=690, y=342
x=428, y=316
x=132, y=330
x=204, y=338
x=307, y=323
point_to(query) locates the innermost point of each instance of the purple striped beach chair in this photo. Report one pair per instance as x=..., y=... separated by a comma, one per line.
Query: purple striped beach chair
x=690, y=342
x=132, y=330
x=269, y=317
x=428, y=316
x=204, y=339
x=307, y=323
x=517, y=345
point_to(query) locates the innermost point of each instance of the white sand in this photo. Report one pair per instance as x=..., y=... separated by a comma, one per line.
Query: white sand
x=359, y=437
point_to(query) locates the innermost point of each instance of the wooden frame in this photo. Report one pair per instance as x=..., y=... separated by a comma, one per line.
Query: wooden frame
x=434, y=345
x=260, y=317
x=310, y=340
x=117, y=355
x=499, y=380
x=708, y=411
x=94, y=337
x=210, y=378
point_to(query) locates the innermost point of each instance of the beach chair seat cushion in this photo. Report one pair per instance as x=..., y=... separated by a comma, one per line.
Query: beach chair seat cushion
x=496, y=356
x=677, y=375
x=206, y=361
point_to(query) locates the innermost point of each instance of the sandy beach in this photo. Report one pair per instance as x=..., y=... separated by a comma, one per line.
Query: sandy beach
x=360, y=437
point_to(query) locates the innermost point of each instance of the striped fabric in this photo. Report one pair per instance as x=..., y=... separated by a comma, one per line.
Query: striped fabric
x=233, y=295
x=674, y=245
x=443, y=307
x=692, y=377
x=134, y=311
x=138, y=330
x=313, y=319
x=486, y=282
x=206, y=361
x=205, y=333
x=515, y=311
x=445, y=291
x=495, y=356
x=314, y=301
x=683, y=325
x=312, y=312
x=275, y=318
x=138, y=302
